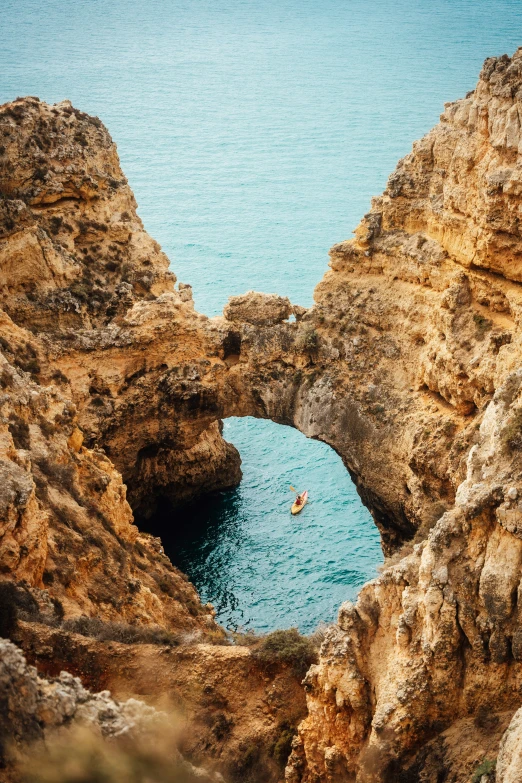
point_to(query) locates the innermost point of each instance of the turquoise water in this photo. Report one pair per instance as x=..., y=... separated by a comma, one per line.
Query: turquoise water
x=261, y=567
x=254, y=133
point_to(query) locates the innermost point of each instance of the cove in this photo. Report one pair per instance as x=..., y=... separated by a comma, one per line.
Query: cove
x=262, y=568
x=254, y=134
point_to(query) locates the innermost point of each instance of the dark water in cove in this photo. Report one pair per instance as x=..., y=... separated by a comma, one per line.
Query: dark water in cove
x=260, y=566
x=253, y=133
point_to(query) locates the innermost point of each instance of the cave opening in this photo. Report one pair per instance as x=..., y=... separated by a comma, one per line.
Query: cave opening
x=261, y=567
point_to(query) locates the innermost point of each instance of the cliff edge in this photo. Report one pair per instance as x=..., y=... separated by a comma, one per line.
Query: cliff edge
x=408, y=364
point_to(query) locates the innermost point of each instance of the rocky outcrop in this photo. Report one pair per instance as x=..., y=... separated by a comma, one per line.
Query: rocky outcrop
x=73, y=258
x=509, y=762
x=258, y=309
x=407, y=364
x=65, y=524
x=435, y=638
x=36, y=705
x=35, y=708
x=238, y=715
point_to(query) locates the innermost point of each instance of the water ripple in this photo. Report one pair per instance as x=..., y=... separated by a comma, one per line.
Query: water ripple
x=261, y=567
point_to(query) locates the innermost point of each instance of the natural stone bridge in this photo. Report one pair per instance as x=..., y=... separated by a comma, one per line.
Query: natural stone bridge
x=407, y=365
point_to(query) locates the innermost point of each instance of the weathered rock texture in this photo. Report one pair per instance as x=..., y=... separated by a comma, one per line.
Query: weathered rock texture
x=509, y=763
x=436, y=638
x=408, y=364
x=65, y=523
x=34, y=709
x=239, y=716
x=74, y=256
x=36, y=705
x=258, y=309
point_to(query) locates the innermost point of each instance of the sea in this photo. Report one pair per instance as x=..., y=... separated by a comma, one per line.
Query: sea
x=254, y=134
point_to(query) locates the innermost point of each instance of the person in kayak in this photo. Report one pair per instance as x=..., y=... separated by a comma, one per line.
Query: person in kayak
x=298, y=500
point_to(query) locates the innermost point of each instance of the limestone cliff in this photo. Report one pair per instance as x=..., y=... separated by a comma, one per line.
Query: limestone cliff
x=408, y=364
x=435, y=640
x=74, y=259
x=65, y=524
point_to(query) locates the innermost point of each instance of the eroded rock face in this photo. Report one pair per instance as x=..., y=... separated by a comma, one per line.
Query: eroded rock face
x=35, y=708
x=236, y=710
x=509, y=763
x=73, y=258
x=436, y=637
x=408, y=365
x=65, y=524
x=36, y=705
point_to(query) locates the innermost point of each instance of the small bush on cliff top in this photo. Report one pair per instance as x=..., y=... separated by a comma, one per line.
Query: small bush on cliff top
x=485, y=769
x=120, y=632
x=286, y=647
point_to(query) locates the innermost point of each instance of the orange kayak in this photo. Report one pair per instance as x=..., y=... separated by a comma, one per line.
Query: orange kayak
x=297, y=507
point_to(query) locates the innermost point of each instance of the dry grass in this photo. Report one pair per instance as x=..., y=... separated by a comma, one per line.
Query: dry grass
x=120, y=632
x=83, y=756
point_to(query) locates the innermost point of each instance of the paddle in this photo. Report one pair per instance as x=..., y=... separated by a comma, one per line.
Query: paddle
x=293, y=490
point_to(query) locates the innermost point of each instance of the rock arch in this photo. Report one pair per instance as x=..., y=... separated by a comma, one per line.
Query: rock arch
x=407, y=365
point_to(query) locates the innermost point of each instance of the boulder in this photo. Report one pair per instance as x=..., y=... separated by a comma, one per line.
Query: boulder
x=257, y=308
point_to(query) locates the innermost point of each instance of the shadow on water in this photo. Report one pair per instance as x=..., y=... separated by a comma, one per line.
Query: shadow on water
x=198, y=525
x=246, y=554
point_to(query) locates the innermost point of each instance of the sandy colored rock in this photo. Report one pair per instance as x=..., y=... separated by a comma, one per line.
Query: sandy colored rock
x=408, y=364
x=435, y=637
x=35, y=708
x=258, y=309
x=235, y=710
x=509, y=762
x=73, y=258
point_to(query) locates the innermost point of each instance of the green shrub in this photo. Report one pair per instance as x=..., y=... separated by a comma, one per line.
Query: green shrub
x=61, y=476
x=484, y=768
x=308, y=340
x=55, y=224
x=48, y=428
x=59, y=377
x=288, y=648
x=6, y=379
x=283, y=744
x=247, y=759
x=16, y=602
x=222, y=726
x=482, y=324
x=19, y=430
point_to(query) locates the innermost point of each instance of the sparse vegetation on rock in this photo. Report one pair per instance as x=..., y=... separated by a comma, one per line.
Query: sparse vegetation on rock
x=416, y=324
x=286, y=647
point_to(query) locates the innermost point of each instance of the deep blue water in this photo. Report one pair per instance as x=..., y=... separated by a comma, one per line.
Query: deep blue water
x=261, y=567
x=254, y=133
